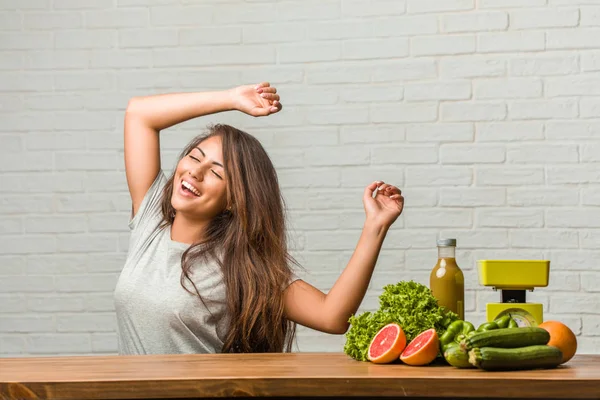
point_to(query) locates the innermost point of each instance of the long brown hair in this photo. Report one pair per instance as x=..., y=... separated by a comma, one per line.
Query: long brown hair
x=249, y=244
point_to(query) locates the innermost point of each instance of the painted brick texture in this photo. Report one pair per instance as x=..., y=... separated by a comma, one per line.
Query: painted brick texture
x=486, y=113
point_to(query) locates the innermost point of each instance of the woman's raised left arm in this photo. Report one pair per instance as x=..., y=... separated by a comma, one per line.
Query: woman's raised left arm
x=308, y=306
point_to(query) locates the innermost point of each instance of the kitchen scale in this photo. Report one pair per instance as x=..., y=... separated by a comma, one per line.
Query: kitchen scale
x=514, y=278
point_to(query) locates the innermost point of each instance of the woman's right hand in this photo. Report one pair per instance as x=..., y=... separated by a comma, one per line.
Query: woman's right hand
x=256, y=100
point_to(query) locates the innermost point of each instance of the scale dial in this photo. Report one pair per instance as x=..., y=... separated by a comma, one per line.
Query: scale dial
x=520, y=316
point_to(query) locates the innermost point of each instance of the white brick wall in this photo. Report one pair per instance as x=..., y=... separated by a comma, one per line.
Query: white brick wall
x=486, y=113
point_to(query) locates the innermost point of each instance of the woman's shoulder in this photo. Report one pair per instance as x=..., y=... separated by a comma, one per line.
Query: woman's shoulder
x=151, y=206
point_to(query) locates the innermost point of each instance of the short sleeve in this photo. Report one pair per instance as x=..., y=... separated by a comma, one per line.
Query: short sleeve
x=150, y=212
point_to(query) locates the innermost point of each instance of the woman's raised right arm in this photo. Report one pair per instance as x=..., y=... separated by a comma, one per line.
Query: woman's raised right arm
x=147, y=116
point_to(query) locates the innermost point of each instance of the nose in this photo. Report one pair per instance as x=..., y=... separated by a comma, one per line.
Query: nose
x=198, y=171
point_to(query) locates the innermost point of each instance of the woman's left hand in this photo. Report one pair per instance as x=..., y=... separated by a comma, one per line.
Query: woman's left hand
x=386, y=206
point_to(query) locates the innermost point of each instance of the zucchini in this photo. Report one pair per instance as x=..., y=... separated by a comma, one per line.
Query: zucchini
x=456, y=357
x=507, y=338
x=529, y=357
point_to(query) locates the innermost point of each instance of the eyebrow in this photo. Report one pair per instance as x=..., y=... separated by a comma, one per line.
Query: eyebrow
x=214, y=162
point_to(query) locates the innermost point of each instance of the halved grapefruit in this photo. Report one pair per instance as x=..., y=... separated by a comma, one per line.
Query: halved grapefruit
x=387, y=345
x=422, y=350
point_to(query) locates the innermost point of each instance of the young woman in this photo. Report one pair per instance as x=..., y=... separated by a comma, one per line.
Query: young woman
x=208, y=268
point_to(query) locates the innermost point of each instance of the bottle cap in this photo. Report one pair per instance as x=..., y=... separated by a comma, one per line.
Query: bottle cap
x=446, y=242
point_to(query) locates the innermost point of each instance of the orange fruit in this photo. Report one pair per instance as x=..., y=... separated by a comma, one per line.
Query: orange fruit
x=423, y=349
x=387, y=344
x=561, y=336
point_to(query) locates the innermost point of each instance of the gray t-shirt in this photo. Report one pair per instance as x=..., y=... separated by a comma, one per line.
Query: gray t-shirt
x=155, y=315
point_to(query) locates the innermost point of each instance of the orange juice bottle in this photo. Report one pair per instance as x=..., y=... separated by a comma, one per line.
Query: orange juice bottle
x=447, y=282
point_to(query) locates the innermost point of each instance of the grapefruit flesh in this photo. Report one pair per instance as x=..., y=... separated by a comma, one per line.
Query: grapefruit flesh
x=387, y=345
x=422, y=350
x=561, y=336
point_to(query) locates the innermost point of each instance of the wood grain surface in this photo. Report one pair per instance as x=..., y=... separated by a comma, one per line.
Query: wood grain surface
x=315, y=375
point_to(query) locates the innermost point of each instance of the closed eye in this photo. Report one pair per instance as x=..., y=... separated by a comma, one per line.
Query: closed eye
x=212, y=170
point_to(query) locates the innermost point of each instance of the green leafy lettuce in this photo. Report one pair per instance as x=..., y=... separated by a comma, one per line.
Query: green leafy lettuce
x=408, y=303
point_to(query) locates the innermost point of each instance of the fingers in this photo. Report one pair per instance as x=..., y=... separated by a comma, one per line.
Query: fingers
x=265, y=88
x=270, y=96
x=262, y=85
x=264, y=111
x=372, y=188
x=393, y=193
x=277, y=106
x=269, y=93
x=385, y=189
x=399, y=202
x=390, y=190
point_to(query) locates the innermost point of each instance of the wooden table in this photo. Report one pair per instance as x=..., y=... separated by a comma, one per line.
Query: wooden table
x=314, y=375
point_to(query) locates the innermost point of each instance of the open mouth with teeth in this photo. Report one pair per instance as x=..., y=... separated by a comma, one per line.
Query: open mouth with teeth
x=188, y=188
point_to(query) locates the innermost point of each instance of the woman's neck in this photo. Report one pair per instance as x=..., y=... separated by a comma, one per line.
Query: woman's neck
x=187, y=231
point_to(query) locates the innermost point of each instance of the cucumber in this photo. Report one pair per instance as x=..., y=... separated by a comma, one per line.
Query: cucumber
x=456, y=357
x=507, y=338
x=529, y=357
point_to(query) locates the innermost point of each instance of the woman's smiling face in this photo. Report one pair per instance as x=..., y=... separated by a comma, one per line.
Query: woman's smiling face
x=200, y=183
